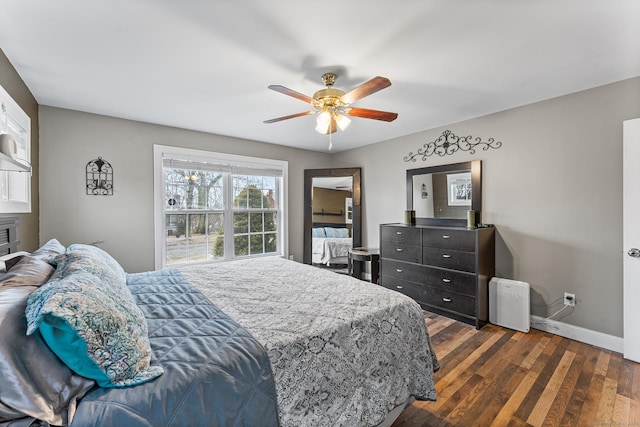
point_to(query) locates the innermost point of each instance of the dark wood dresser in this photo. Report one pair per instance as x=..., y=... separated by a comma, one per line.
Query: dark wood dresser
x=445, y=269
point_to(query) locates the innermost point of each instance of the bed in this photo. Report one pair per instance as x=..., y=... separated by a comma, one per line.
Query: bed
x=263, y=341
x=330, y=244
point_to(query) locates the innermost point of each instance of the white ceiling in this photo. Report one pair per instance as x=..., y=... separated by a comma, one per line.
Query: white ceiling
x=206, y=65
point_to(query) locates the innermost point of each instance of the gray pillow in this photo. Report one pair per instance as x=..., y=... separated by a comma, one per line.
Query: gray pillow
x=48, y=390
x=9, y=260
x=49, y=251
x=28, y=271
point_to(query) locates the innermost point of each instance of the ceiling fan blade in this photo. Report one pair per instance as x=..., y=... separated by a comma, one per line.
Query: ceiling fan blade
x=292, y=116
x=291, y=92
x=365, y=89
x=365, y=113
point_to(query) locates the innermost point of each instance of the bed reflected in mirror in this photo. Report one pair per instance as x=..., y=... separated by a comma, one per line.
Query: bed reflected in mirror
x=332, y=208
x=332, y=216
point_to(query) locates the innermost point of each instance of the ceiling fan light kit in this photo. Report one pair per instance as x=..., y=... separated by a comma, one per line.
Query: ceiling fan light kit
x=334, y=104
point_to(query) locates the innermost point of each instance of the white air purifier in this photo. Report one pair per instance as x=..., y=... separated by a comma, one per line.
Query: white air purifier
x=509, y=304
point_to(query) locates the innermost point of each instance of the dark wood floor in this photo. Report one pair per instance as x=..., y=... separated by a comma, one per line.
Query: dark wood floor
x=500, y=377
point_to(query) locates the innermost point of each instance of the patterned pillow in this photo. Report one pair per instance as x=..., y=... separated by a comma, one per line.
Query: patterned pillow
x=94, y=329
x=72, y=262
x=98, y=255
x=318, y=232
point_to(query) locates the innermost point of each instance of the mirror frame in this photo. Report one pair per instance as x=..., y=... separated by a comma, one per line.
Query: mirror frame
x=356, y=229
x=475, y=166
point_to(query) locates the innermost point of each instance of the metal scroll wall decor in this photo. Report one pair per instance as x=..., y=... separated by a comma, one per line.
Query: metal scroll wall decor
x=99, y=178
x=449, y=143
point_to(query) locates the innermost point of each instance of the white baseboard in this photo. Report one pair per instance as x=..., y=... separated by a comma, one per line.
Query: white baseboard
x=598, y=339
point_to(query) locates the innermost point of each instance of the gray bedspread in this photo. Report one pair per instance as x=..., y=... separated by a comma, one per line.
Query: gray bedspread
x=215, y=372
x=343, y=352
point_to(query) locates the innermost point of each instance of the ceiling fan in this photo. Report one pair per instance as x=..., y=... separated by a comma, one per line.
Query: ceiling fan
x=334, y=105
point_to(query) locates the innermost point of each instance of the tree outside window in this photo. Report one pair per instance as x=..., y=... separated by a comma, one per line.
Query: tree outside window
x=199, y=197
x=254, y=218
x=202, y=197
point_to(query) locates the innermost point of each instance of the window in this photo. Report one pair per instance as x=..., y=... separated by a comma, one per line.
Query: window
x=15, y=155
x=213, y=206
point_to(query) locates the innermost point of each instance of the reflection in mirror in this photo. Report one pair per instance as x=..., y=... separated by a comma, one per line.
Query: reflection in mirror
x=442, y=195
x=331, y=215
x=332, y=205
x=332, y=200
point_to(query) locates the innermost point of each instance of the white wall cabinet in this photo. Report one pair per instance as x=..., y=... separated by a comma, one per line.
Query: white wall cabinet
x=15, y=156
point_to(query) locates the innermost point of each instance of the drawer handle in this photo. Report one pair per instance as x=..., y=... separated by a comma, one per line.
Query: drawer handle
x=446, y=256
x=398, y=287
x=399, y=270
x=399, y=249
x=446, y=280
x=446, y=237
x=446, y=299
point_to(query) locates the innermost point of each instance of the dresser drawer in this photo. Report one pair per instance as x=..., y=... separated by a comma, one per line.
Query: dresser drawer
x=401, y=251
x=461, y=240
x=402, y=270
x=407, y=235
x=451, y=301
x=449, y=280
x=447, y=258
x=412, y=290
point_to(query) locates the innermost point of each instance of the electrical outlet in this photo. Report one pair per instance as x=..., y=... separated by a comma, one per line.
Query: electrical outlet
x=569, y=299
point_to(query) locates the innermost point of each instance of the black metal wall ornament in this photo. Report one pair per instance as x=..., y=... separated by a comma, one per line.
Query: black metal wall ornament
x=99, y=177
x=449, y=143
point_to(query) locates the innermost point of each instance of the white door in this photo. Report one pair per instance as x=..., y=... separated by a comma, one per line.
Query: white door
x=631, y=238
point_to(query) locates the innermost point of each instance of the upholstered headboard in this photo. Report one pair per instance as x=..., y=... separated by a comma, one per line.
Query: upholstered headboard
x=9, y=234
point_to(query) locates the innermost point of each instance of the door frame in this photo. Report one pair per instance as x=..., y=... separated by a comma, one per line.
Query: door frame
x=631, y=238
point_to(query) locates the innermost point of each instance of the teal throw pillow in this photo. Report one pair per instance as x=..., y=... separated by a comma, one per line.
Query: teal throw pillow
x=94, y=329
x=99, y=256
x=70, y=263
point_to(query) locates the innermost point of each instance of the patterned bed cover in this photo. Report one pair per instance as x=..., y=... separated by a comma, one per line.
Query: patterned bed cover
x=343, y=351
x=216, y=373
x=326, y=249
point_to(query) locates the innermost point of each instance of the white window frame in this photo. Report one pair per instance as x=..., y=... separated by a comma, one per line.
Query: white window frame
x=161, y=152
x=15, y=173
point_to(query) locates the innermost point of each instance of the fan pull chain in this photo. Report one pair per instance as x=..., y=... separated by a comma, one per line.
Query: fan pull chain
x=330, y=142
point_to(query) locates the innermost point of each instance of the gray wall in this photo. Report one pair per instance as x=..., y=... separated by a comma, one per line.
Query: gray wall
x=13, y=84
x=554, y=192
x=124, y=221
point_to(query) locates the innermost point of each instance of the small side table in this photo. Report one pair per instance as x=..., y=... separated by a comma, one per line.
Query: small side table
x=371, y=255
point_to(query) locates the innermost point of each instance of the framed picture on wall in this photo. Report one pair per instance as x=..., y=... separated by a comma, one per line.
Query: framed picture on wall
x=348, y=209
x=459, y=189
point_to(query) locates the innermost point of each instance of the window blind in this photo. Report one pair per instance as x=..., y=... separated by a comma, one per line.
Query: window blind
x=221, y=168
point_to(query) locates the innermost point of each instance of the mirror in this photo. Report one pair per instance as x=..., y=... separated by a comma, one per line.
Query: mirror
x=327, y=203
x=442, y=195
